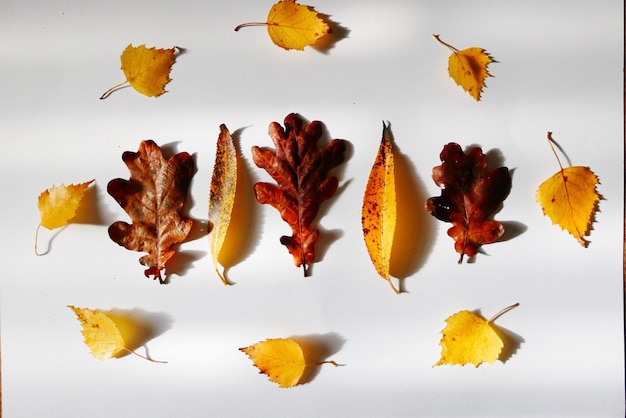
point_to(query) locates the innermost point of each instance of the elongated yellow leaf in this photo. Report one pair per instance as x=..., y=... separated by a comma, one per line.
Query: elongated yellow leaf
x=569, y=198
x=378, y=216
x=222, y=195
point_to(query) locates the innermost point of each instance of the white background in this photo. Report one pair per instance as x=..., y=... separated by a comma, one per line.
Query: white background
x=559, y=69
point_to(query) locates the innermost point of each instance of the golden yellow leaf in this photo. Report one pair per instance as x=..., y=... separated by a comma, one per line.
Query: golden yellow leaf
x=470, y=338
x=378, y=215
x=468, y=68
x=58, y=204
x=281, y=359
x=146, y=69
x=569, y=198
x=222, y=194
x=292, y=25
x=101, y=334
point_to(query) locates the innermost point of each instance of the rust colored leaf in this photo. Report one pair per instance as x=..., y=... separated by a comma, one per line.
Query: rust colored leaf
x=469, y=197
x=300, y=170
x=153, y=198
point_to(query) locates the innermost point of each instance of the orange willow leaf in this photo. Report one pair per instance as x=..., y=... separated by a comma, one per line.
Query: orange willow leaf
x=468, y=68
x=281, y=359
x=222, y=194
x=153, y=198
x=569, y=198
x=378, y=216
x=300, y=170
x=146, y=69
x=58, y=205
x=470, y=338
x=292, y=25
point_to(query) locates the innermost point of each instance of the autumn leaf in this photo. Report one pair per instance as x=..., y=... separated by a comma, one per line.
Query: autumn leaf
x=469, y=196
x=147, y=70
x=153, y=198
x=569, y=198
x=300, y=170
x=222, y=194
x=281, y=359
x=378, y=215
x=468, y=68
x=470, y=338
x=292, y=25
x=58, y=205
x=102, y=335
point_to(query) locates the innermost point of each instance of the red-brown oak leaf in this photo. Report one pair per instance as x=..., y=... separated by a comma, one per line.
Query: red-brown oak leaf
x=469, y=197
x=153, y=198
x=300, y=170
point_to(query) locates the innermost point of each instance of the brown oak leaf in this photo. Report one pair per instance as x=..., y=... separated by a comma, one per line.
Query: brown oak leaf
x=469, y=196
x=300, y=170
x=153, y=198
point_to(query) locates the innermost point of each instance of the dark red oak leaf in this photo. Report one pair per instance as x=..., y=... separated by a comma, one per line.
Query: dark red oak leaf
x=469, y=197
x=153, y=198
x=300, y=170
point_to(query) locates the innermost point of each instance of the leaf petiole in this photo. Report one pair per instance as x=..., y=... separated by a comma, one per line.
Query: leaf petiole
x=112, y=89
x=243, y=25
x=445, y=44
x=502, y=312
x=144, y=357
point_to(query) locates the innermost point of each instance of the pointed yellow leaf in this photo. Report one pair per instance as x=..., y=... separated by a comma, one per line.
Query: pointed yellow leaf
x=146, y=69
x=222, y=194
x=292, y=25
x=101, y=334
x=378, y=215
x=569, y=198
x=468, y=68
x=470, y=338
x=282, y=360
x=58, y=204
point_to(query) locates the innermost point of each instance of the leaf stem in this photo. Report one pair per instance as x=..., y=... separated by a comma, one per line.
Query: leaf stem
x=392, y=286
x=502, y=312
x=329, y=362
x=144, y=357
x=37, y=253
x=551, y=142
x=112, y=89
x=243, y=25
x=445, y=44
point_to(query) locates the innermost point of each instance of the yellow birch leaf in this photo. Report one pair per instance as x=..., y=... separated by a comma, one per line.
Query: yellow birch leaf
x=146, y=69
x=58, y=204
x=292, y=25
x=378, y=215
x=101, y=334
x=470, y=338
x=281, y=359
x=468, y=68
x=569, y=198
x=222, y=194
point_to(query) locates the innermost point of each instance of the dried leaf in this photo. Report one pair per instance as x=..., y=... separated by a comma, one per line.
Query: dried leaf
x=470, y=338
x=58, y=205
x=469, y=196
x=300, y=170
x=281, y=359
x=378, y=215
x=222, y=194
x=292, y=25
x=146, y=69
x=102, y=335
x=153, y=198
x=569, y=198
x=468, y=68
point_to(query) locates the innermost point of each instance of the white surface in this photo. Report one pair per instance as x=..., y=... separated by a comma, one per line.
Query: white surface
x=559, y=69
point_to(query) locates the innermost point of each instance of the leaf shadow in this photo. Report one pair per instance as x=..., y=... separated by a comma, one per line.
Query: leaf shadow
x=414, y=240
x=91, y=211
x=138, y=326
x=336, y=33
x=511, y=342
x=317, y=348
x=244, y=230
